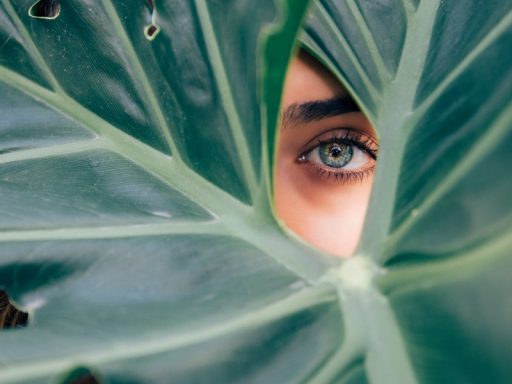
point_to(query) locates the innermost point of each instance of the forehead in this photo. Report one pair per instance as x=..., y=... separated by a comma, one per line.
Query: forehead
x=307, y=80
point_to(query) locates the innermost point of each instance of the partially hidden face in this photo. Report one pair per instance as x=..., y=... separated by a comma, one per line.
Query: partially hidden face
x=326, y=157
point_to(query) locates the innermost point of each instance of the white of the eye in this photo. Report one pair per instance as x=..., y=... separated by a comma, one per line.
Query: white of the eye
x=359, y=159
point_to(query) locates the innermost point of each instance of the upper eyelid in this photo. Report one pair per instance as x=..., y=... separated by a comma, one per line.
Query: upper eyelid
x=352, y=133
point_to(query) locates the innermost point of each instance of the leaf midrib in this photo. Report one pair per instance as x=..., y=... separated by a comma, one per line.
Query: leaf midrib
x=238, y=217
x=396, y=122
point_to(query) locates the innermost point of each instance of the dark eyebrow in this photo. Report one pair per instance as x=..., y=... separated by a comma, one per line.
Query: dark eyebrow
x=318, y=110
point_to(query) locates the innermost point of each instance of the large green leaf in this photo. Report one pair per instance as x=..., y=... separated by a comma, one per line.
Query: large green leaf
x=136, y=218
x=436, y=78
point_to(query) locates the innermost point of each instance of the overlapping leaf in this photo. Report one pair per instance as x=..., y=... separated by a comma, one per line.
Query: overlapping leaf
x=129, y=175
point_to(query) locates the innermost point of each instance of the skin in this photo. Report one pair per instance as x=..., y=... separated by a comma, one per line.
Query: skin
x=324, y=208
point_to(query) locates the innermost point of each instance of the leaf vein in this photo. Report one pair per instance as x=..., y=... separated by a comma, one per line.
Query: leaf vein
x=32, y=49
x=501, y=27
x=228, y=101
x=369, y=40
x=146, y=88
x=484, y=145
x=372, y=90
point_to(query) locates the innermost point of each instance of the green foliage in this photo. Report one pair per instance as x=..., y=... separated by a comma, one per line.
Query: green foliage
x=136, y=224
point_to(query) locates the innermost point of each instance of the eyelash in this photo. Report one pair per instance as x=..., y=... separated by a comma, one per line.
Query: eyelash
x=345, y=136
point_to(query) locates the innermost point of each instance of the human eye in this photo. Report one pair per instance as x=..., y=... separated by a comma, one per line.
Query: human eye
x=341, y=155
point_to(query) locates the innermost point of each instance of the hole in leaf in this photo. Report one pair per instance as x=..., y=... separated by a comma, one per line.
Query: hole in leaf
x=10, y=316
x=45, y=9
x=326, y=155
x=150, y=31
x=80, y=375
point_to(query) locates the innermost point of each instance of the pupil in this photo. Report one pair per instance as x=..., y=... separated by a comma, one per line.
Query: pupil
x=335, y=150
x=336, y=155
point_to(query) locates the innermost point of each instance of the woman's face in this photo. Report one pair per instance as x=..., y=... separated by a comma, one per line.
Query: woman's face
x=325, y=161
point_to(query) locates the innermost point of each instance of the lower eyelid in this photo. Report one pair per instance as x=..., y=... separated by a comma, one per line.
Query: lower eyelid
x=339, y=177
